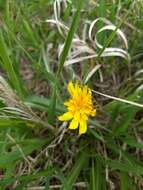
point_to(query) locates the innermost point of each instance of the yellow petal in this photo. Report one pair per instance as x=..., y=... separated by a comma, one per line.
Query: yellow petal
x=71, y=88
x=73, y=124
x=68, y=103
x=77, y=116
x=82, y=127
x=93, y=113
x=66, y=116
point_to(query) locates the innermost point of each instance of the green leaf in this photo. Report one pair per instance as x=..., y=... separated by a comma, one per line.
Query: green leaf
x=25, y=179
x=96, y=135
x=131, y=141
x=70, y=37
x=96, y=175
x=125, y=181
x=52, y=106
x=8, y=66
x=125, y=167
x=29, y=32
x=113, y=34
x=28, y=147
x=42, y=103
x=75, y=171
x=128, y=114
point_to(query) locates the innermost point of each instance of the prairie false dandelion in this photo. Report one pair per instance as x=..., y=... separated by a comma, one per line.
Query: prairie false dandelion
x=79, y=107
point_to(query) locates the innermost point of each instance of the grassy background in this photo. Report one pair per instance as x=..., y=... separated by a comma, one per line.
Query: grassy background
x=36, y=151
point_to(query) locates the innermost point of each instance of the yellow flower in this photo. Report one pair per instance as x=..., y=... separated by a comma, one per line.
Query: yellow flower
x=79, y=106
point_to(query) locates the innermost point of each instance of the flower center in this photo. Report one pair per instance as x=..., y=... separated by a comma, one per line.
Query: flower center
x=80, y=103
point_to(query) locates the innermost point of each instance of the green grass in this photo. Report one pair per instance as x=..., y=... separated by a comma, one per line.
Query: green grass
x=36, y=150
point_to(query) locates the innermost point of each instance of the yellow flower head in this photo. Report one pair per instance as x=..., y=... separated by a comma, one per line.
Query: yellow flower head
x=79, y=106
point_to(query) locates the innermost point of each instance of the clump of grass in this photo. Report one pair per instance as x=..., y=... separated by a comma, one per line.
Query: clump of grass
x=98, y=44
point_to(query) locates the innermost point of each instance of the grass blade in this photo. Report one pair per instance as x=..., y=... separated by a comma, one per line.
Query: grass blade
x=111, y=37
x=70, y=37
x=7, y=65
x=96, y=177
x=73, y=175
